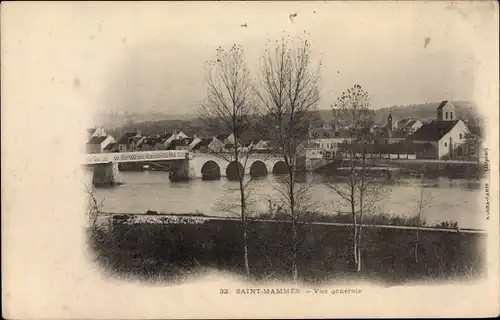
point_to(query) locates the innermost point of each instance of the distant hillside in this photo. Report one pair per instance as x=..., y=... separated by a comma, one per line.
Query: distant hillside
x=423, y=112
x=190, y=124
x=113, y=120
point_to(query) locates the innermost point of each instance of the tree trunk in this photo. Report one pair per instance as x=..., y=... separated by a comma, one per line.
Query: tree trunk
x=295, y=272
x=358, y=268
x=355, y=235
x=419, y=215
x=243, y=214
x=359, y=235
x=245, y=247
x=353, y=211
x=416, y=244
x=361, y=194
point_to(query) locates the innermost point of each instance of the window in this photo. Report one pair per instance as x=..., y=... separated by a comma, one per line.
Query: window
x=445, y=144
x=446, y=115
x=460, y=136
x=451, y=115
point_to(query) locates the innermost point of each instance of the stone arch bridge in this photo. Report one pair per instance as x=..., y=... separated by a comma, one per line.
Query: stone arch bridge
x=210, y=166
x=184, y=165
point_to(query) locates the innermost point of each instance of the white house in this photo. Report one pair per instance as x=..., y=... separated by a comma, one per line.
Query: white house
x=331, y=145
x=443, y=136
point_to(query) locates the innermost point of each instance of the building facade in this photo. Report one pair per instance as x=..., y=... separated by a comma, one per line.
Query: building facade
x=443, y=137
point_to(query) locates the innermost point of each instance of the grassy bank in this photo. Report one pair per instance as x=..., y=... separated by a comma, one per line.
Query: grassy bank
x=170, y=251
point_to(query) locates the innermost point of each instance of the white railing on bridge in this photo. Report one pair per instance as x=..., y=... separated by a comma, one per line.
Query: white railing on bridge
x=96, y=158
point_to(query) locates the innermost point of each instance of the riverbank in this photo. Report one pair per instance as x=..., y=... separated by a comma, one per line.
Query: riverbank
x=427, y=169
x=172, y=249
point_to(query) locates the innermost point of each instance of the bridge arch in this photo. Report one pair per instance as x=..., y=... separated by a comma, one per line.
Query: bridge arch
x=258, y=169
x=232, y=170
x=280, y=167
x=210, y=171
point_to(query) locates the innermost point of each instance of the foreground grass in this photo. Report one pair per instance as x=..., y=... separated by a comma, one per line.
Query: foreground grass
x=172, y=251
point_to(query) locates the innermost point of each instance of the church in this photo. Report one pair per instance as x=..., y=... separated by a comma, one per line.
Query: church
x=442, y=138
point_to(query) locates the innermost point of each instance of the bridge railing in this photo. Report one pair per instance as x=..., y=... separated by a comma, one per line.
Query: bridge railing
x=136, y=156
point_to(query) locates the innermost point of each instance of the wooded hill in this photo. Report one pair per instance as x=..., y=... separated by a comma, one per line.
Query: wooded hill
x=423, y=112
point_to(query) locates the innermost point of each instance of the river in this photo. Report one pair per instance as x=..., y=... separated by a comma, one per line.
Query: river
x=450, y=199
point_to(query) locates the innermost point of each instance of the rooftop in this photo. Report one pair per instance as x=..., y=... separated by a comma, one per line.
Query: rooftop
x=222, y=137
x=442, y=104
x=110, y=146
x=203, y=143
x=96, y=140
x=433, y=131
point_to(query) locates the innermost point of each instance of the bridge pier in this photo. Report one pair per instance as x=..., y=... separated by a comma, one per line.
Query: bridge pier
x=106, y=174
x=181, y=170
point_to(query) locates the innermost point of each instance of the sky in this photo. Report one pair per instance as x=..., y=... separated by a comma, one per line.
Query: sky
x=150, y=57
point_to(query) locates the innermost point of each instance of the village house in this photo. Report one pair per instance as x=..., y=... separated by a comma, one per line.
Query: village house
x=386, y=136
x=180, y=144
x=128, y=141
x=159, y=142
x=409, y=125
x=249, y=145
x=442, y=138
x=171, y=136
x=90, y=132
x=146, y=143
x=112, y=147
x=394, y=131
x=260, y=145
x=95, y=132
x=221, y=142
x=321, y=129
x=202, y=146
x=331, y=145
x=98, y=144
x=195, y=141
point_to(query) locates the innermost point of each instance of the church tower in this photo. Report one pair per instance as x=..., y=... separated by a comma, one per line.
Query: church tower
x=446, y=112
x=389, y=122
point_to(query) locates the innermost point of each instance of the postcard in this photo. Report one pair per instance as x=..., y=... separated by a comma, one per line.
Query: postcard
x=167, y=160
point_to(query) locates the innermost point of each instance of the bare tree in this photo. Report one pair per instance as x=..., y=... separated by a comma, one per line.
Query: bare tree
x=289, y=94
x=423, y=201
x=360, y=189
x=94, y=207
x=228, y=107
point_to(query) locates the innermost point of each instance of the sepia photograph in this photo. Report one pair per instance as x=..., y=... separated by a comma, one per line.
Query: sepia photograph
x=226, y=155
